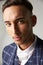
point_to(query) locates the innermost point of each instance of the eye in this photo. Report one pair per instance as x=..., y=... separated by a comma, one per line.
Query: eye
x=21, y=21
x=8, y=24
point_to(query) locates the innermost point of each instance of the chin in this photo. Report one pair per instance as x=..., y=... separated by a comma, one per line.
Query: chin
x=17, y=42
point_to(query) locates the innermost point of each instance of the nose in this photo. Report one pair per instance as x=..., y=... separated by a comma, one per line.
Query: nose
x=15, y=29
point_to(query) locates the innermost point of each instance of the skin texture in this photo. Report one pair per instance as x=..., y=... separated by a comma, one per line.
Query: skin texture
x=19, y=23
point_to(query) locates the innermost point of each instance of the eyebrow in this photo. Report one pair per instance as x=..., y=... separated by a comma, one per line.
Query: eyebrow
x=20, y=18
x=6, y=21
x=17, y=19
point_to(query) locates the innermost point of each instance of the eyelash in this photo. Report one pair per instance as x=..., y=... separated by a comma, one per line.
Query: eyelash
x=8, y=24
x=22, y=21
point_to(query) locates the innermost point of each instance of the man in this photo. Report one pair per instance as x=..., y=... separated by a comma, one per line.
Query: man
x=27, y=48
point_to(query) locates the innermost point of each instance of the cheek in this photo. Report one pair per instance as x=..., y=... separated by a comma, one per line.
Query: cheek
x=23, y=28
x=9, y=31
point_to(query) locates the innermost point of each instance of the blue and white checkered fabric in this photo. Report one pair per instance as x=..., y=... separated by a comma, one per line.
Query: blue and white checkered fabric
x=9, y=55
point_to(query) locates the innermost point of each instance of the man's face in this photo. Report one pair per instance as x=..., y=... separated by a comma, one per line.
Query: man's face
x=18, y=23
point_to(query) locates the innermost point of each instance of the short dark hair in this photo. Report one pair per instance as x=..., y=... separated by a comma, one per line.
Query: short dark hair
x=9, y=3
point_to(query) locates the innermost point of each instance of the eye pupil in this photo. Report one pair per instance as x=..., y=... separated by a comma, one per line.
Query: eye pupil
x=21, y=21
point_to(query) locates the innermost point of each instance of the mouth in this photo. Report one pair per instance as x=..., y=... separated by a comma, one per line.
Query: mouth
x=17, y=38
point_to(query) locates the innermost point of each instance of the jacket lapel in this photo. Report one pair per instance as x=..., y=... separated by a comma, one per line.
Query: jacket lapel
x=16, y=60
x=13, y=60
x=13, y=53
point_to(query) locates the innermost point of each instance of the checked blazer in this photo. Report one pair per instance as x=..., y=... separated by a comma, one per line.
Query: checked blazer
x=9, y=56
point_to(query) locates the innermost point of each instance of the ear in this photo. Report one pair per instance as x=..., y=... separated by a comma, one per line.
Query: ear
x=34, y=20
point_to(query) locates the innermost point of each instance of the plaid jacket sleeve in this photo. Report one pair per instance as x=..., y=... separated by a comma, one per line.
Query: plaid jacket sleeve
x=8, y=54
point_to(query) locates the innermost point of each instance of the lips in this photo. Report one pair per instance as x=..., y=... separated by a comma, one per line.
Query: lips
x=16, y=38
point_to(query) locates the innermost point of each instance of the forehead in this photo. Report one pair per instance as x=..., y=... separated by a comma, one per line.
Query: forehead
x=15, y=11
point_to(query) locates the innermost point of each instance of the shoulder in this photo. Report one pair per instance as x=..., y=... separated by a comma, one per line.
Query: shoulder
x=9, y=49
x=8, y=53
x=40, y=49
x=39, y=46
x=39, y=42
